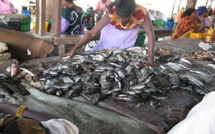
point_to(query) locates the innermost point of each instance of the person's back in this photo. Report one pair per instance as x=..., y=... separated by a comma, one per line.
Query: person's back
x=72, y=19
x=75, y=19
x=6, y=7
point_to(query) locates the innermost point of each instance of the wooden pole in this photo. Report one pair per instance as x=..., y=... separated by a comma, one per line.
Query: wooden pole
x=37, y=16
x=56, y=17
x=206, y=3
x=173, y=8
x=191, y=4
x=42, y=14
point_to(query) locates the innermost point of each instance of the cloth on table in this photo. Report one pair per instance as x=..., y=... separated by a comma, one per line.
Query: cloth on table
x=61, y=126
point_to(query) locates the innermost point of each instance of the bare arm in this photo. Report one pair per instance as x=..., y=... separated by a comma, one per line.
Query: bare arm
x=151, y=38
x=12, y=109
x=202, y=23
x=91, y=34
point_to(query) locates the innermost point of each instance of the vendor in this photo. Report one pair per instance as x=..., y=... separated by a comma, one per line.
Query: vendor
x=119, y=28
x=72, y=22
x=188, y=24
x=203, y=13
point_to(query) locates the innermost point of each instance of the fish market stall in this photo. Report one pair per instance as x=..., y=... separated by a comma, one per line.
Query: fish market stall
x=114, y=91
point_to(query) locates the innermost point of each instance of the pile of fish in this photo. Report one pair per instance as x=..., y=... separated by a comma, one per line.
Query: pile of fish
x=125, y=76
x=202, y=55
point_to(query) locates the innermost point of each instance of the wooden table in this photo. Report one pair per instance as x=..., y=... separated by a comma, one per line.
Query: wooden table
x=159, y=32
x=61, y=41
x=108, y=116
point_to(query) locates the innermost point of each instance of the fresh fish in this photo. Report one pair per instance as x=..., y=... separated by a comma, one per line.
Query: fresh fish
x=183, y=60
x=27, y=71
x=67, y=80
x=169, y=58
x=174, y=80
x=196, y=81
x=155, y=104
x=115, y=65
x=149, y=90
x=21, y=75
x=113, y=90
x=59, y=93
x=14, y=69
x=76, y=79
x=93, y=98
x=139, y=86
x=97, y=57
x=51, y=91
x=144, y=74
x=160, y=96
x=120, y=72
x=3, y=75
x=124, y=97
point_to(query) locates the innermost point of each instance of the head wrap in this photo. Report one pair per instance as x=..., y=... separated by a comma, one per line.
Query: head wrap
x=124, y=8
x=188, y=12
x=201, y=10
x=182, y=9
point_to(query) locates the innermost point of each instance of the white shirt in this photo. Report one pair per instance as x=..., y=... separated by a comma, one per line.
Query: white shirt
x=200, y=120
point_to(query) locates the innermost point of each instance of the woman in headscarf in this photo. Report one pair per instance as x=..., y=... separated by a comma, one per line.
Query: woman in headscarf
x=203, y=13
x=119, y=28
x=188, y=24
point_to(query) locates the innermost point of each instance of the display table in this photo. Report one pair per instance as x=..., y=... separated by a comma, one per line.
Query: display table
x=109, y=116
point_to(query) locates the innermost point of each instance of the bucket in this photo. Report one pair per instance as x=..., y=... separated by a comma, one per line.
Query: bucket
x=140, y=40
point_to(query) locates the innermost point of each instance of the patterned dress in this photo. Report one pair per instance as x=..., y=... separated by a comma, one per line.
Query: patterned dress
x=185, y=27
x=114, y=35
x=72, y=22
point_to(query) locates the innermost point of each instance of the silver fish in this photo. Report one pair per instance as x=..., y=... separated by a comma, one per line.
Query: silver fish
x=27, y=71
x=3, y=75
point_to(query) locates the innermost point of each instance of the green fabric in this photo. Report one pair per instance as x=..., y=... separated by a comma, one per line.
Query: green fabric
x=140, y=40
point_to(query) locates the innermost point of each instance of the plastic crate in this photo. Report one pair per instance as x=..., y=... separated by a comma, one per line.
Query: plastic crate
x=160, y=23
x=169, y=25
x=197, y=35
x=140, y=40
x=25, y=25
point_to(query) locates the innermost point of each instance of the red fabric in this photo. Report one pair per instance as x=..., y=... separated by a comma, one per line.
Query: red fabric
x=186, y=25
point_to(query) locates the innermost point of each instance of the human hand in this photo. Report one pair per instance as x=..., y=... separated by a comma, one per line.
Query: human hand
x=177, y=114
x=201, y=18
x=151, y=61
x=70, y=53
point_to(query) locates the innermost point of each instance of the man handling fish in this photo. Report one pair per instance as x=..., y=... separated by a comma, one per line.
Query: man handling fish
x=119, y=28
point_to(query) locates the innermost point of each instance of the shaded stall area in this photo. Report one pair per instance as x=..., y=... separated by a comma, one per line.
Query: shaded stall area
x=111, y=115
